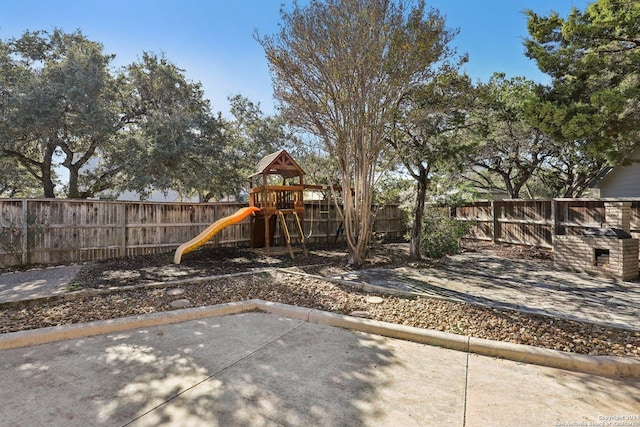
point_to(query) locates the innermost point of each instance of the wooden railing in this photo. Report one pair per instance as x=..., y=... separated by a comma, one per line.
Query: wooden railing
x=277, y=196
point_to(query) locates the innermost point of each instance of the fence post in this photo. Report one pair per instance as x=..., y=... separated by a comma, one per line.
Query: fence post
x=554, y=221
x=328, y=224
x=123, y=229
x=25, y=230
x=216, y=239
x=496, y=224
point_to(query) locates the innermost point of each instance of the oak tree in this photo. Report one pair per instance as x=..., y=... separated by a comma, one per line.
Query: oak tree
x=508, y=144
x=173, y=141
x=56, y=101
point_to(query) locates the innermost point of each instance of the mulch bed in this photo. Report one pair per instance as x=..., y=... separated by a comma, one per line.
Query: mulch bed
x=278, y=286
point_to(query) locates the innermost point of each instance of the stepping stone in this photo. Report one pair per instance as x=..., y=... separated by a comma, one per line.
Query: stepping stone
x=180, y=303
x=374, y=300
x=175, y=291
x=359, y=313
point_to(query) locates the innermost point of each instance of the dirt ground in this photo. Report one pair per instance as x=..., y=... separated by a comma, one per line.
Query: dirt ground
x=322, y=260
x=122, y=294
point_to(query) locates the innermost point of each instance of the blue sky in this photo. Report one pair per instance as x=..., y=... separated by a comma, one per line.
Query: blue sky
x=212, y=40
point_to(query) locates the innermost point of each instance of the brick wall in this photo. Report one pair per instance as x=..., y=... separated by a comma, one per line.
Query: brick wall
x=618, y=215
x=579, y=253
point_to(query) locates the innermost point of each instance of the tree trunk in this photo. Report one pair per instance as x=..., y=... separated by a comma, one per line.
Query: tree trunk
x=515, y=191
x=357, y=220
x=418, y=214
x=356, y=255
x=45, y=167
x=350, y=223
x=508, y=186
x=47, y=183
x=73, y=183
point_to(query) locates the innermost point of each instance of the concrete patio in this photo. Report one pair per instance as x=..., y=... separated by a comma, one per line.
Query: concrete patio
x=266, y=369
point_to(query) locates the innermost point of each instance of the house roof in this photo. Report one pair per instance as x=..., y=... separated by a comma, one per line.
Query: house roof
x=595, y=181
x=280, y=163
x=632, y=158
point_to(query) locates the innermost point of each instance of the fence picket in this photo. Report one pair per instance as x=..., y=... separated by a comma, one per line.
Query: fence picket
x=58, y=231
x=536, y=222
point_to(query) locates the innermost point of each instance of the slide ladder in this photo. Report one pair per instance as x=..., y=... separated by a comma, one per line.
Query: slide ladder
x=287, y=235
x=300, y=233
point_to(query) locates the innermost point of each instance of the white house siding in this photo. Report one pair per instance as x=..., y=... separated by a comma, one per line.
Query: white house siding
x=622, y=181
x=156, y=196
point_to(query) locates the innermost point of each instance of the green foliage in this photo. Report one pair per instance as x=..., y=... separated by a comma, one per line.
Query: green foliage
x=509, y=145
x=320, y=169
x=57, y=100
x=173, y=140
x=593, y=57
x=441, y=234
x=251, y=135
x=426, y=133
x=393, y=189
x=569, y=172
x=15, y=181
x=457, y=194
x=141, y=128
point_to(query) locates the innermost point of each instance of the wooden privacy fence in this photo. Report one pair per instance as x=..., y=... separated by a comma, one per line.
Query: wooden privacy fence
x=58, y=231
x=536, y=222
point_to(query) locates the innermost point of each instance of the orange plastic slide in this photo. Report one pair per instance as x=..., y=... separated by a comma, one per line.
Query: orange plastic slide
x=210, y=231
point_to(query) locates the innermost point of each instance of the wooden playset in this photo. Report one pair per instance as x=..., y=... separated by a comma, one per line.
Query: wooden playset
x=276, y=200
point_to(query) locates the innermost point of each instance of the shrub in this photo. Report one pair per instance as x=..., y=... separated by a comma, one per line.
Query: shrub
x=441, y=234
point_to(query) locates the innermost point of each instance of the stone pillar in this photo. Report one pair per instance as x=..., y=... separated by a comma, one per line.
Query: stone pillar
x=618, y=215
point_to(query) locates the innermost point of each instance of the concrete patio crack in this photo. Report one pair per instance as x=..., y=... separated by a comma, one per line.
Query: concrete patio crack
x=466, y=385
x=215, y=374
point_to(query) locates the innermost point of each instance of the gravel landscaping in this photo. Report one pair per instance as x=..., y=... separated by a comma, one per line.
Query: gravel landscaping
x=130, y=286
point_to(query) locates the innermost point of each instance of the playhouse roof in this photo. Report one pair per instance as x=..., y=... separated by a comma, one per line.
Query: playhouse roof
x=280, y=163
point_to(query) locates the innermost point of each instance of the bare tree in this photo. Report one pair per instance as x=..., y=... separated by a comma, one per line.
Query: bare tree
x=340, y=68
